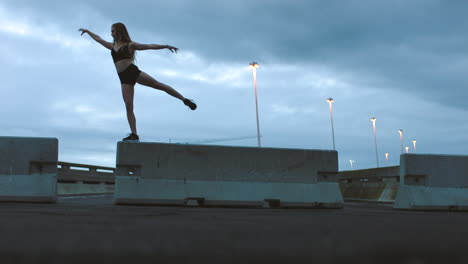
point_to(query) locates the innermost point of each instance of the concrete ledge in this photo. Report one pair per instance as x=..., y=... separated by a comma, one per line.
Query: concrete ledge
x=28, y=169
x=433, y=182
x=84, y=188
x=221, y=193
x=431, y=198
x=370, y=185
x=372, y=175
x=450, y=171
x=157, y=173
x=368, y=201
x=22, y=188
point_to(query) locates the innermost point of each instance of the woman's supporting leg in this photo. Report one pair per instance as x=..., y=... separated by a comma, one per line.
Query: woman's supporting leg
x=127, y=93
x=145, y=79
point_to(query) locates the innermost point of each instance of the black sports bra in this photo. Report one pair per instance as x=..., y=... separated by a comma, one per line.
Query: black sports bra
x=122, y=54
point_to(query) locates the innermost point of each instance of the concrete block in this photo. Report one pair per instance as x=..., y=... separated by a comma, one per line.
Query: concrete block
x=433, y=182
x=431, y=198
x=28, y=169
x=84, y=188
x=158, y=173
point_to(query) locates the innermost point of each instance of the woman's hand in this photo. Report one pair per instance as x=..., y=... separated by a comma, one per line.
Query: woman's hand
x=172, y=48
x=97, y=38
x=83, y=31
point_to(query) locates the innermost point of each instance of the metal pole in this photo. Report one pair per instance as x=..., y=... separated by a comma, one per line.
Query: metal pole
x=401, y=139
x=256, y=104
x=375, y=141
x=330, y=102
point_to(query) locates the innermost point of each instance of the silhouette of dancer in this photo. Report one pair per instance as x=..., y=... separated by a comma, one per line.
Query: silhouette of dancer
x=123, y=53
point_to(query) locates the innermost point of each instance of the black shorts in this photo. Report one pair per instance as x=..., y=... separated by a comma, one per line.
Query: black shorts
x=129, y=75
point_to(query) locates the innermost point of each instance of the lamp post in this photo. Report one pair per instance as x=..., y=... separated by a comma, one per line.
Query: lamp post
x=373, y=119
x=330, y=102
x=401, y=139
x=414, y=145
x=254, y=66
x=386, y=157
x=407, y=149
x=351, y=162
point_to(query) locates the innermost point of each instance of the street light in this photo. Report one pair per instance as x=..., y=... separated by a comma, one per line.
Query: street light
x=401, y=139
x=407, y=149
x=414, y=145
x=330, y=102
x=386, y=157
x=254, y=66
x=351, y=162
x=373, y=119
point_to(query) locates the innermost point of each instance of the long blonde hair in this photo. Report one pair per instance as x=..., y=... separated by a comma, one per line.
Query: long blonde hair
x=123, y=36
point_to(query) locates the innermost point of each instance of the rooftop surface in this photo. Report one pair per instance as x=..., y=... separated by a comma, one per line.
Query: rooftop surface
x=91, y=229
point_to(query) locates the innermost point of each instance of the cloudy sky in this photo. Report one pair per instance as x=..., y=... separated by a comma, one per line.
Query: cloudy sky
x=404, y=62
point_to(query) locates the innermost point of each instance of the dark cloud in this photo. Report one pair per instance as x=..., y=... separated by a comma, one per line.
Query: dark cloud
x=387, y=52
x=418, y=47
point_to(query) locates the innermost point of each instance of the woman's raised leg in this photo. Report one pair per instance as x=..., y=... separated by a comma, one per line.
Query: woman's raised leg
x=127, y=93
x=145, y=79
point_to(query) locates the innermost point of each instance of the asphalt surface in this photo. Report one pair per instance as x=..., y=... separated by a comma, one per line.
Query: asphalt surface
x=90, y=229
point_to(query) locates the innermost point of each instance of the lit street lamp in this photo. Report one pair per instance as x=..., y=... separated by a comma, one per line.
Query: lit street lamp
x=414, y=145
x=330, y=102
x=373, y=119
x=407, y=149
x=254, y=67
x=401, y=139
x=351, y=162
x=386, y=157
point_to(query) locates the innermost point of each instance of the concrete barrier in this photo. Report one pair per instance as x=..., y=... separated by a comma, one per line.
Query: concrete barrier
x=370, y=185
x=80, y=188
x=83, y=173
x=28, y=169
x=433, y=182
x=157, y=173
x=83, y=179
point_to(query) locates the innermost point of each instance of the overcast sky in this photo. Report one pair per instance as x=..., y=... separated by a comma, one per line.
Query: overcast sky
x=404, y=62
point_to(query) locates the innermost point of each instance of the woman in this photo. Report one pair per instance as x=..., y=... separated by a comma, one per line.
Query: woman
x=123, y=53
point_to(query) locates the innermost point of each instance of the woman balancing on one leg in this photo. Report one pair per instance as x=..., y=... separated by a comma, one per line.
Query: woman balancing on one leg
x=123, y=52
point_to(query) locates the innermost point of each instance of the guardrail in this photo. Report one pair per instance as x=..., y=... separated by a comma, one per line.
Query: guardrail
x=82, y=173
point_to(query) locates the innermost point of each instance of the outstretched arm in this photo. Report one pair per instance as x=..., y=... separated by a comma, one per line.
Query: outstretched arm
x=96, y=38
x=138, y=46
